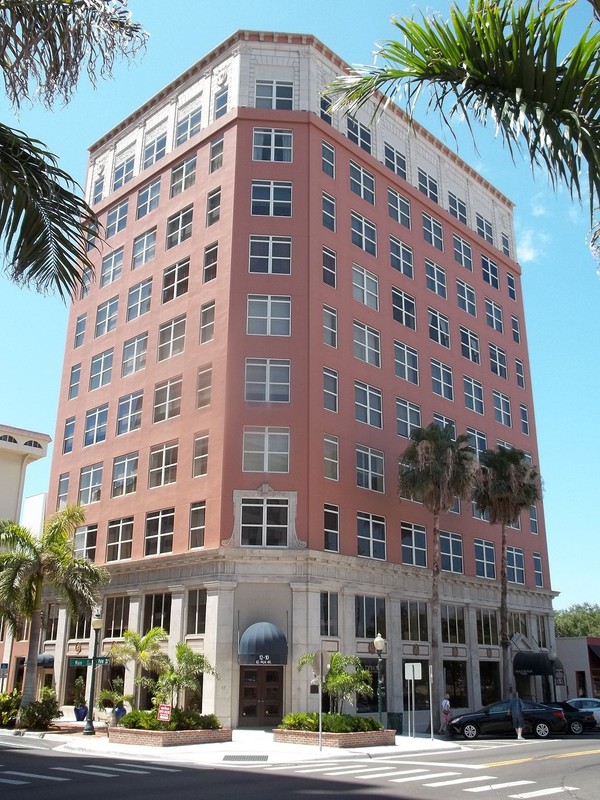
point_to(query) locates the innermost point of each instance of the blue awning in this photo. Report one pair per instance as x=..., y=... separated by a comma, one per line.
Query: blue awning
x=263, y=643
x=532, y=664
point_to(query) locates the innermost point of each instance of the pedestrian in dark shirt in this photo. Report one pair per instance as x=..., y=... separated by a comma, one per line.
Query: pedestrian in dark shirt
x=515, y=709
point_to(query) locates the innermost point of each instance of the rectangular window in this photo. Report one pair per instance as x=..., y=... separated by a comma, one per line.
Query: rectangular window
x=167, y=400
x=413, y=621
x=358, y=133
x=331, y=527
x=68, y=435
x=328, y=613
x=179, y=227
x=331, y=457
x=427, y=185
x=157, y=611
x=511, y=282
x=90, y=484
x=176, y=280
x=369, y=617
x=129, y=412
x=154, y=150
x=124, y=474
x=84, y=542
x=487, y=627
x=215, y=160
x=364, y=233
x=120, y=539
x=463, y=254
x=457, y=207
x=139, y=298
x=270, y=255
x=369, y=468
x=538, y=571
x=432, y=231
x=324, y=109
x=269, y=315
x=197, y=534
x=484, y=228
x=171, y=338
x=329, y=267
x=473, y=394
x=106, y=316
x=328, y=211
x=62, y=493
x=453, y=624
x=408, y=417
x=365, y=287
x=272, y=144
x=493, y=316
x=207, y=322
x=439, y=327
x=112, y=266
x=477, y=440
x=451, y=552
x=524, y=415
x=367, y=346
x=183, y=176
x=404, y=309
x=399, y=208
x=144, y=248
x=74, y=380
x=210, y=262
x=267, y=380
x=328, y=159
x=86, y=282
x=196, y=611
x=330, y=389
x=158, y=536
x=414, y=544
x=271, y=199
x=490, y=272
x=50, y=623
x=220, y=103
x=116, y=617
x=435, y=278
x=265, y=522
x=533, y=519
x=204, y=386
x=498, y=363
x=95, y=425
x=134, y=354
x=502, y=412
x=123, y=172
x=406, y=362
x=370, y=535
x=505, y=245
x=213, y=207
x=362, y=182
x=274, y=94
x=101, y=369
x=266, y=449
x=200, y=458
x=442, y=382
x=188, y=122
x=442, y=421
x=515, y=565
x=394, y=160
x=368, y=402
x=469, y=345
x=148, y=198
x=116, y=219
x=466, y=297
x=516, y=330
x=80, y=330
x=401, y=257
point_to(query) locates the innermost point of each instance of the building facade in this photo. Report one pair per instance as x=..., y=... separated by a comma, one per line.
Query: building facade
x=282, y=296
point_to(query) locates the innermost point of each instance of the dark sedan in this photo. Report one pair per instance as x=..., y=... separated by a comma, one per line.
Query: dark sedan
x=494, y=720
x=578, y=720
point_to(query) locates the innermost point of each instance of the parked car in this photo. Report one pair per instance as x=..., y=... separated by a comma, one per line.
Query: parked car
x=578, y=721
x=587, y=704
x=541, y=720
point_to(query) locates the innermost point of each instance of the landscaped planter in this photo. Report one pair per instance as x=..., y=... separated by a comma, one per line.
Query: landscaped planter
x=167, y=738
x=358, y=739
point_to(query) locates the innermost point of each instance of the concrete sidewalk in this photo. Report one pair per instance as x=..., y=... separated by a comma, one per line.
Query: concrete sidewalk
x=248, y=746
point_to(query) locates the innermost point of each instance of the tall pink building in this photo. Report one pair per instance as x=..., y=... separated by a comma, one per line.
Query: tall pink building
x=284, y=294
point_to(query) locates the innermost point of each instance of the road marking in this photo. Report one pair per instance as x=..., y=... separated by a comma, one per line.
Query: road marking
x=462, y=780
x=145, y=766
x=491, y=786
x=512, y=761
x=580, y=753
x=545, y=792
x=33, y=775
x=132, y=770
x=350, y=770
x=447, y=764
x=13, y=783
x=84, y=772
x=322, y=768
x=388, y=774
x=420, y=777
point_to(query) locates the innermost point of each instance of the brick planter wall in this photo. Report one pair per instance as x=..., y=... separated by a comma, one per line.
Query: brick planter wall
x=358, y=739
x=167, y=738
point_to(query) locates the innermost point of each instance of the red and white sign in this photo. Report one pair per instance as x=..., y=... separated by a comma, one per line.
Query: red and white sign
x=164, y=712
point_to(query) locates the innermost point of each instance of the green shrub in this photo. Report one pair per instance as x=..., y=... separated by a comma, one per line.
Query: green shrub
x=332, y=723
x=40, y=714
x=180, y=721
x=9, y=708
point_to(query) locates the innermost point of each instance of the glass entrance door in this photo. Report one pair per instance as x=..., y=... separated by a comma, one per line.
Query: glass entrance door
x=261, y=696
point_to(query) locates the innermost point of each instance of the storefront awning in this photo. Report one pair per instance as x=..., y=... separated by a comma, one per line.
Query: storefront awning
x=45, y=660
x=532, y=664
x=263, y=643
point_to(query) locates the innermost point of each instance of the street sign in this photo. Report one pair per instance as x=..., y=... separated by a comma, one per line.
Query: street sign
x=164, y=712
x=79, y=662
x=320, y=663
x=412, y=671
x=101, y=661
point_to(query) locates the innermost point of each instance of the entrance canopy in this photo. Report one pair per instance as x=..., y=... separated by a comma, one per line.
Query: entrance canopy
x=263, y=643
x=532, y=664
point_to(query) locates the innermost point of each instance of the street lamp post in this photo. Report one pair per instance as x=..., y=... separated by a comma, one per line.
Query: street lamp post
x=379, y=644
x=88, y=729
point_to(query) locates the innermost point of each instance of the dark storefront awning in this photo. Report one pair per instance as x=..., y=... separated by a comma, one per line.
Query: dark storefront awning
x=263, y=643
x=532, y=664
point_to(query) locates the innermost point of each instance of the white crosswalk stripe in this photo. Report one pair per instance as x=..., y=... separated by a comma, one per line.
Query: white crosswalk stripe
x=544, y=792
x=34, y=775
x=93, y=774
x=456, y=781
x=129, y=770
x=420, y=777
x=493, y=786
x=12, y=783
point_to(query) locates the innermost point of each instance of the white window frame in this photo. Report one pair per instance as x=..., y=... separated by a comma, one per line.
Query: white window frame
x=368, y=404
x=406, y=362
x=473, y=394
x=134, y=354
x=129, y=412
x=269, y=315
x=442, y=381
x=162, y=464
x=370, y=469
x=171, y=338
x=266, y=449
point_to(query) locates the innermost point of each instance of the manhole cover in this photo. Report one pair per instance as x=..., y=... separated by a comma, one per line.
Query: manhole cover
x=245, y=758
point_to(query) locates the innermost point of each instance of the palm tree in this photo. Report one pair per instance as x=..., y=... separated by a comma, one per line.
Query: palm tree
x=505, y=484
x=500, y=60
x=145, y=650
x=345, y=678
x=30, y=564
x=44, y=46
x=434, y=469
x=181, y=674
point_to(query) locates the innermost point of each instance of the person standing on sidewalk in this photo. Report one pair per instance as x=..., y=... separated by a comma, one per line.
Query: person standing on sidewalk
x=515, y=709
x=446, y=713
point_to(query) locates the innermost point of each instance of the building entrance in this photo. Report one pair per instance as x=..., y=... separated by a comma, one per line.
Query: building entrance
x=261, y=696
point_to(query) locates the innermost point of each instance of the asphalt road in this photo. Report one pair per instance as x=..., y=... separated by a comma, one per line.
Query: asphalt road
x=560, y=768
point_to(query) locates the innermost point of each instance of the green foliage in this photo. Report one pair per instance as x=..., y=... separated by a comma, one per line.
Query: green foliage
x=9, y=708
x=40, y=714
x=345, y=678
x=332, y=723
x=505, y=484
x=580, y=619
x=181, y=674
x=180, y=721
x=79, y=691
x=113, y=696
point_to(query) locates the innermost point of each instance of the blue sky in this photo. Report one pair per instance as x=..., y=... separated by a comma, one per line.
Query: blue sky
x=560, y=285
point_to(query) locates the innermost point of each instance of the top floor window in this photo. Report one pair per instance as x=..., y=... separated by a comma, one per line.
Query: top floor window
x=154, y=150
x=359, y=133
x=484, y=228
x=220, y=103
x=275, y=94
x=325, y=106
x=123, y=171
x=457, y=207
x=188, y=123
x=428, y=185
x=394, y=160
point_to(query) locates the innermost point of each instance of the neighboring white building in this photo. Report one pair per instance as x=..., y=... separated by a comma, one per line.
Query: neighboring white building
x=18, y=448
x=580, y=658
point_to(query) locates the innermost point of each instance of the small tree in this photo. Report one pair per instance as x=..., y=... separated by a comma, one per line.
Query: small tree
x=145, y=650
x=181, y=674
x=581, y=619
x=346, y=678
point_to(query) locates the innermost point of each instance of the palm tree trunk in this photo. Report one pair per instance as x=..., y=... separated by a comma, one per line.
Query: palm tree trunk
x=504, y=640
x=436, y=660
x=30, y=682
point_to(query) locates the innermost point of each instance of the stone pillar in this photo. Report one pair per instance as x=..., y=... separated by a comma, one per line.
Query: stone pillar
x=220, y=695
x=305, y=628
x=177, y=621
x=474, y=685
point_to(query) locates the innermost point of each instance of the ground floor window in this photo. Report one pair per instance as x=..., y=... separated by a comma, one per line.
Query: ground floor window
x=421, y=687
x=370, y=705
x=456, y=683
x=489, y=679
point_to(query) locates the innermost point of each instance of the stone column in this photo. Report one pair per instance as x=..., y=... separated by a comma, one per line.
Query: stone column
x=220, y=695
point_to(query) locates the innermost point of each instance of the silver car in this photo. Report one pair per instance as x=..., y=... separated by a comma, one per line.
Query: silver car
x=587, y=704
